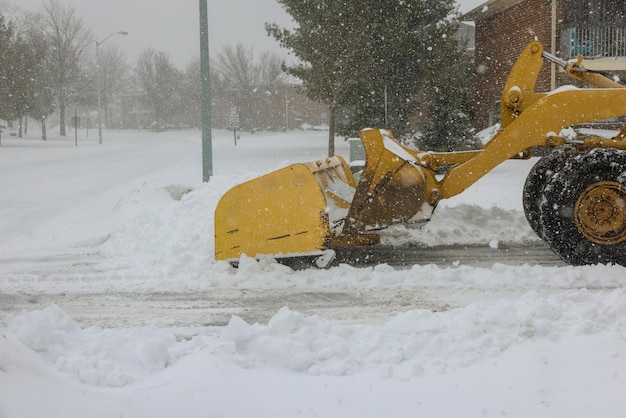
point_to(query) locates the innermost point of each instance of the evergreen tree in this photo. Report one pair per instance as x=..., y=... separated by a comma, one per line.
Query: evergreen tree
x=330, y=48
x=20, y=69
x=20, y=82
x=405, y=42
x=449, y=108
x=6, y=33
x=369, y=59
x=5, y=40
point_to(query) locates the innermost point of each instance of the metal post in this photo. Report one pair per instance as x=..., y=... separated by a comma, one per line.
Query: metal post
x=207, y=149
x=75, y=127
x=286, y=108
x=99, y=100
x=98, y=80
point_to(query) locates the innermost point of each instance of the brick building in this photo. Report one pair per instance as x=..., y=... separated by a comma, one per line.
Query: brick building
x=595, y=28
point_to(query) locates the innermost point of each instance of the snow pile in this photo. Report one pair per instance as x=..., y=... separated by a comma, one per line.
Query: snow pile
x=103, y=357
x=407, y=346
x=151, y=226
x=420, y=342
x=464, y=224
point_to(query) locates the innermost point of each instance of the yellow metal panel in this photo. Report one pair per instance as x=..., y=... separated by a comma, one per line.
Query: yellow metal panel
x=283, y=212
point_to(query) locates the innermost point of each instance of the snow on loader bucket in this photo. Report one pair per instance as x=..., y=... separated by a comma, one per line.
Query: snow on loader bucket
x=574, y=198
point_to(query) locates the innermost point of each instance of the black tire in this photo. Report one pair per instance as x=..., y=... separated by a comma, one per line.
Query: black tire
x=583, y=212
x=538, y=176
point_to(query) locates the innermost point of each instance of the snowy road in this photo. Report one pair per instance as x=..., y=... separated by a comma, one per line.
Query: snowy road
x=472, y=254
x=193, y=309
x=214, y=307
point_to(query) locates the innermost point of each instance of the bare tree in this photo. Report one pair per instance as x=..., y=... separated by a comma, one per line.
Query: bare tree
x=249, y=82
x=112, y=71
x=271, y=73
x=69, y=40
x=159, y=80
x=191, y=107
x=237, y=66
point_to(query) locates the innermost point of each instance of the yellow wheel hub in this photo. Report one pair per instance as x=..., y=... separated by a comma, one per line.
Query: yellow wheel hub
x=600, y=213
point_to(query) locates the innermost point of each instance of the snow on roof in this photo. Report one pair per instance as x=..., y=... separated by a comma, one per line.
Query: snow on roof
x=489, y=8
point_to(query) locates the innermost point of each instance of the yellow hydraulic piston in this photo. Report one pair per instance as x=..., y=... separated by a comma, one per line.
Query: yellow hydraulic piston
x=397, y=185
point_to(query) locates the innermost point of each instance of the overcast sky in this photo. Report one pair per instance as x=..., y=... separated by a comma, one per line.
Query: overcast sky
x=173, y=25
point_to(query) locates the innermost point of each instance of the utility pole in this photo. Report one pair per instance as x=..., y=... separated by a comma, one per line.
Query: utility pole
x=207, y=148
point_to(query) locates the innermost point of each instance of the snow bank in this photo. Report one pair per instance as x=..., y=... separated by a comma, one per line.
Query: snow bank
x=409, y=345
x=420, y=342
x=103, y=357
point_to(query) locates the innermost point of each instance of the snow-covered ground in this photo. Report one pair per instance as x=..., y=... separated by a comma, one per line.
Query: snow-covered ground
x=106, y=266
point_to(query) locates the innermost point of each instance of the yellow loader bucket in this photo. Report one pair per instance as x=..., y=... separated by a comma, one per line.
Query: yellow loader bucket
x=284, y=213
x=309, y=209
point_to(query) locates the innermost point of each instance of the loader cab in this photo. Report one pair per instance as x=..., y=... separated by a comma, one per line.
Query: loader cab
x=494, y=115
x=357, y=157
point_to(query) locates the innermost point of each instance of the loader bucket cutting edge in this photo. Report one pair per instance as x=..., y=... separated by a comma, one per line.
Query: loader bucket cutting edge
x=282, y=214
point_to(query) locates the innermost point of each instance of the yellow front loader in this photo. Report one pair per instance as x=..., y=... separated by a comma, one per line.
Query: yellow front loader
x=574, y=198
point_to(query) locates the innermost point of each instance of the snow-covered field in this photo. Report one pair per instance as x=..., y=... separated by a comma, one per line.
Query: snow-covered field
x=112, y=305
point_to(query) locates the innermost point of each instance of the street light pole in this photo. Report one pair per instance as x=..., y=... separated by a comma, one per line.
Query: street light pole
x=207, y=147
x=98, y=43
